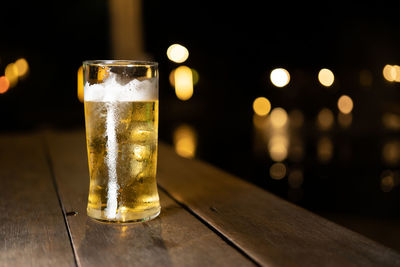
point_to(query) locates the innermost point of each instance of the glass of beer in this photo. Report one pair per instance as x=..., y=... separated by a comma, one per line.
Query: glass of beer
x=121, y=115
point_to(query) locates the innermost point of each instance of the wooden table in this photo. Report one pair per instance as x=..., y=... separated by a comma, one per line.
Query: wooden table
x=208, y=218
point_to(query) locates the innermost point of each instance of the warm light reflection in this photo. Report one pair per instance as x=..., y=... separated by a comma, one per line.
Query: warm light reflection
x=22, y=67
x=387, y=182
x=344, y=120
x=325, y=149
x=326, y=77
x=296, y=118
x=278, y=117
x=185, y=141
x=325, y=119
x=11, y=72
x=295, y=178
x=391, y=121
x=296, y=151
x=183, y=80
x=4, y=84
x=365, y=78
x=391, y=152
x=103, y=73
x=345, y=104
x=277, y=171
x=80, y=84
x=261, y=106
x=177, y=53
x=280, y=77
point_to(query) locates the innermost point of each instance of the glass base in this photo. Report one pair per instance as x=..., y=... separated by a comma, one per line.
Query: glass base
x=128, y=217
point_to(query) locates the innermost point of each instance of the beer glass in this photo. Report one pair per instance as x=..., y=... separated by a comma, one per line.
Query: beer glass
x=121, y=116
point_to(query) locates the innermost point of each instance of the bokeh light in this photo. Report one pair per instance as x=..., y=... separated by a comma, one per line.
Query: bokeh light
x=387, y=182
x=391, y=121
x=11, y=72
x=277, y=171
x=261, y=106
x=4, y=84
x=185, y=141
x=326, y=77
x=391, y=73
x=345, y=104
x=196, y=76
x=280, y=77
x=183, y=80
x=278, y=117
x=80, y=84
x=295, y=178
x=278, y=146
x=177, y=53
x=391, y=152
x=296, y=118
x=22, y=67
x=324, y=149
x=344, y=120
x=325, y=119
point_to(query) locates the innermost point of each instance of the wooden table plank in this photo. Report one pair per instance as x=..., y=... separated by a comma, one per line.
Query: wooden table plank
x=175, y=238
x=32, y=227
x=270, y=230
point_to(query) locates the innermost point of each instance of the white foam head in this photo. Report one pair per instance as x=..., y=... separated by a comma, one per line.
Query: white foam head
x=111, y=90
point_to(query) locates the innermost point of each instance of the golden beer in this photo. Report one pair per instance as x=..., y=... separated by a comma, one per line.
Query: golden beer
x=122, y=151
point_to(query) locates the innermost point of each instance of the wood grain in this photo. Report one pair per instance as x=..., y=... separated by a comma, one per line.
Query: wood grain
x=270, y=230
x=32, y=228
x=175, y=238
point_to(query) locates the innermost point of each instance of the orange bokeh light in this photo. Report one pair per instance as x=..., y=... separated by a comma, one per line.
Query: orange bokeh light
x=4, y=84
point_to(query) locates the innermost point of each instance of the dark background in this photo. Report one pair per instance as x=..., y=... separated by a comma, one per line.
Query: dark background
x=234, y=46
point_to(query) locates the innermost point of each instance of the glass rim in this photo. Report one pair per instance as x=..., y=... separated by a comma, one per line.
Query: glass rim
x=120, y=63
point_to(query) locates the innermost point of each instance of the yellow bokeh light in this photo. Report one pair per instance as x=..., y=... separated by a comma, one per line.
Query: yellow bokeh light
x=185, y=141
x=4, y=84
x=389, y=73
x=80, y=84
x=177, y=53
x=278, y=117
x=278, y=151
x=387, y=183
x=183, y=80
x=397, y=75
x=325, y=119
x=277, y=171
x=391, y=152
x=345, y=104
x=326, y=77
x=11, y=72
x=391, y=121
x=22, y=67
x=261, y=106
x=196, y=76
x=280, y=77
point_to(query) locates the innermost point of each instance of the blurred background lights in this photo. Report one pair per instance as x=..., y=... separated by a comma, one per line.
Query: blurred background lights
x=4, y=84
x=391, y=73
x=345, y=104
x=326, y=77
x=183, y=80
x=344, y=120
x=195, y=76
x=185, y=141
x=80, y=84
x=277, y=171
x=11, y=72
x=295, y=178
x=324, y=149
x=391, y=152
x=280, y=77
x=278, y=146
x=325, y=119
x=278, y=117
x=261, y=106
x=391, y=121
x=22, y=67
x=177, y=53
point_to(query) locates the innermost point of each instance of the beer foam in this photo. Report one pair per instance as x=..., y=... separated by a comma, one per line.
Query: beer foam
x=111, y=90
